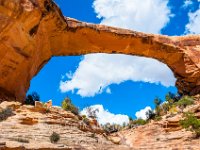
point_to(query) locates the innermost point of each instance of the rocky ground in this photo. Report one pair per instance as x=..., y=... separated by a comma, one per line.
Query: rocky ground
x=166, y=134
x=30, y=128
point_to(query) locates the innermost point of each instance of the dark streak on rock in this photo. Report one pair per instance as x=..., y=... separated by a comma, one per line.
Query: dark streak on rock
x=21, y=52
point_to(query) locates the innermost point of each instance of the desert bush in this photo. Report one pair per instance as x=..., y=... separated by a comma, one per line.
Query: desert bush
x=92, y=113
x=184, y=101
x=86, y=121
x=158, y=110
x=130, y=119
x=108, y=128
x=191, y=123
x=84, y=116
x=158, y=118
x=173, y=109
x=157, y=102
x=137, y=122
x=150, y=115
x=166, y=107
x=4, y=114
x=68, y=106
x=54, y=138
x=171, y=98
x=31, y=98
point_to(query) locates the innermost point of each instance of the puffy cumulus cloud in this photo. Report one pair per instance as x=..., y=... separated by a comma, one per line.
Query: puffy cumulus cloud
x=194, y=22
x=97, y=71
x=140, y=15
x=104, y=116
x=142, y=113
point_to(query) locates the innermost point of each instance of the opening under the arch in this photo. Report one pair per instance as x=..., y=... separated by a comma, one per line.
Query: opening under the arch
x=119, y=84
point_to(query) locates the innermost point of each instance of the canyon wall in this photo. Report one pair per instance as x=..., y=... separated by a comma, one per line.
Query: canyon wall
x=33, y=31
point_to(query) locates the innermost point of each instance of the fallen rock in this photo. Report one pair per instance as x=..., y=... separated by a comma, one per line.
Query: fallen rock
x=48, y=105
x=39, y=107
x=115, y=139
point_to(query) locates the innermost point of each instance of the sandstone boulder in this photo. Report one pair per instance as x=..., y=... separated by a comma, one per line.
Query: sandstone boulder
x=115, y=139
x=48, y=105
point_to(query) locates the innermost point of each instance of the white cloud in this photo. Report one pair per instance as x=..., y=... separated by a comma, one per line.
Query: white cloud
x=69, y=75
x=108, y=91
x=142, y=113
x=194, y=22
x=104, y=116
x=97, y=71
x=140, y=15
x=187, y=3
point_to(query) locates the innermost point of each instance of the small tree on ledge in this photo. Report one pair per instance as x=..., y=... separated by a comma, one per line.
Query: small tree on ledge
x=68, y=106
x=31, y=98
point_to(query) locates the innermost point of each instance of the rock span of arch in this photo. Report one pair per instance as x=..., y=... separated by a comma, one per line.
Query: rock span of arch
x=32, y=31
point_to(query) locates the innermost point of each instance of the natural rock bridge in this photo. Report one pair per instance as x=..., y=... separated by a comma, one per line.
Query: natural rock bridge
x=32, y=31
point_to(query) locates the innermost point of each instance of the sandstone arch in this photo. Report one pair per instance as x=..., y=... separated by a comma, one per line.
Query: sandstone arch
x=32, y=31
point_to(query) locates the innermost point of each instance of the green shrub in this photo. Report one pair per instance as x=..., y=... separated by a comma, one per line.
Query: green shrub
x=68, y=106
x=158, y=110
x=173, y=109
x=138, y=122
x=92, y=113
x=54, y=138
x=184, y=101
x=157, y=101
x=4, y=114
x=150, y=115
x=130, y=119
x=191, y=123
x=158, y=118
x=86, y=121
x=108, y=128
x=31, y=98
x=84, y=116
x=166, y=107
x=171, y=98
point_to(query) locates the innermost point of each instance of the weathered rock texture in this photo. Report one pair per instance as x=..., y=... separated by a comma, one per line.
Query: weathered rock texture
x=166, y=134
x=32, y=31
x=31, y=127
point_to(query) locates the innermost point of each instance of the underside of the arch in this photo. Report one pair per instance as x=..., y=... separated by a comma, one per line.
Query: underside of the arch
x=32, y=31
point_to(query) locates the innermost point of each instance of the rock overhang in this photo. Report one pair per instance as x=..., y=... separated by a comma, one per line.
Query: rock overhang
x=32, y=31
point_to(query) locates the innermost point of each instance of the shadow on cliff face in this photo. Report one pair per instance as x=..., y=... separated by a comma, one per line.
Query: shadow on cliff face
x=104, y=79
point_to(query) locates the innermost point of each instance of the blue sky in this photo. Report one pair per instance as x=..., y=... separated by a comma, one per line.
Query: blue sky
x=114, y=86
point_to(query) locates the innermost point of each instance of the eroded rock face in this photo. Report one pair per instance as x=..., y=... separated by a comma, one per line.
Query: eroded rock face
x=30, y=129
x=32, y=31
x=166, y=134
